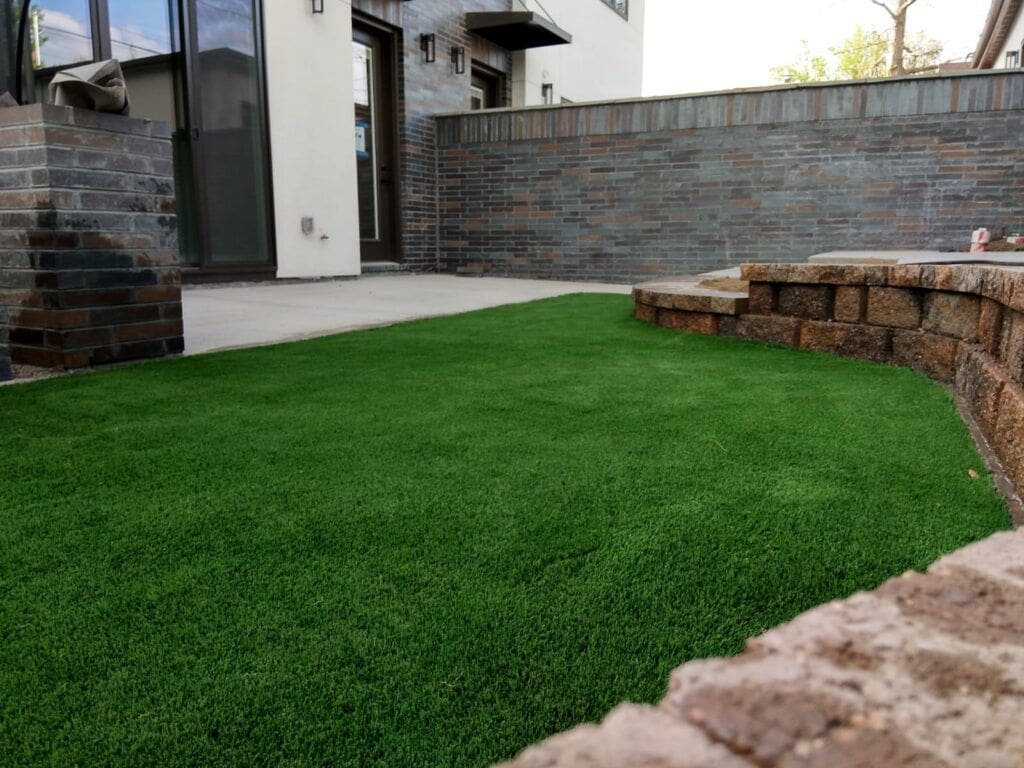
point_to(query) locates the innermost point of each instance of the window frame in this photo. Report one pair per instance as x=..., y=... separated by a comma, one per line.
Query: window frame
x=490, y=81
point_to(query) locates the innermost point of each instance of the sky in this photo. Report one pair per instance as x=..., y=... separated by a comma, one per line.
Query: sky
x=706, y=45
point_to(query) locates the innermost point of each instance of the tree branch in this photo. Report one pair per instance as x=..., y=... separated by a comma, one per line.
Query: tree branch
x=885, y=8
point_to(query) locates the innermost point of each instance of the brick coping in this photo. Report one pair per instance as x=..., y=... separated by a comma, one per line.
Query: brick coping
x=928, y=669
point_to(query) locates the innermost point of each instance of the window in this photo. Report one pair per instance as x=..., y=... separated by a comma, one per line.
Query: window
x=66, y=32
x=547, y=93
x=487, y=88
x=60, y=33
x=141, y=29
x=621, y=6
x=1012, y=59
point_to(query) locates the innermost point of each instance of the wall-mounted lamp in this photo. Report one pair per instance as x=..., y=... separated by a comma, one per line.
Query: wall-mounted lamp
x=428, y=45
x=318, y=6
x=459, y=59
x=547, y=92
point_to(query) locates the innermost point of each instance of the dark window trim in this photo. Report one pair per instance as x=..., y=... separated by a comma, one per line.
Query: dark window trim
x=497, y=78
x=397, y=140
x=614, y=5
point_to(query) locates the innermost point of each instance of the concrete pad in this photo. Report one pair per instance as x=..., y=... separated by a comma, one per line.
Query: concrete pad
x=232, y=316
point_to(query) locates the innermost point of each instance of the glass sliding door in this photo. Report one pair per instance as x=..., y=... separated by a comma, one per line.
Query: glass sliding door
x=228, y=136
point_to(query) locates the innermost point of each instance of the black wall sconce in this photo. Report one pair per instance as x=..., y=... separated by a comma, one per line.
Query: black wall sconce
x=318, y=6
x=428, y=44
x=459, y=59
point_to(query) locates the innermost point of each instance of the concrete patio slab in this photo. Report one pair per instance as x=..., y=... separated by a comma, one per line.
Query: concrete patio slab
x=233, y=316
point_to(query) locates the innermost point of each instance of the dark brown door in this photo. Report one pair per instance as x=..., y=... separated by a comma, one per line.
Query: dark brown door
x=375, y=116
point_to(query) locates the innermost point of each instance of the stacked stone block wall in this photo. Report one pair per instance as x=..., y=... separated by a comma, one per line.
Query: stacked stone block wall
x=633, y=190
x=88, y=241
x=962, y=325
x=926, y=671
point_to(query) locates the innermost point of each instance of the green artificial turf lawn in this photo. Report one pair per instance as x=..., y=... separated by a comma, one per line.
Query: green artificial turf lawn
x=436, y=543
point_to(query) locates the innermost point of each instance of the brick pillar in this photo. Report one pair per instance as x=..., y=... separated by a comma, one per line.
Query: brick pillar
x=88, y=238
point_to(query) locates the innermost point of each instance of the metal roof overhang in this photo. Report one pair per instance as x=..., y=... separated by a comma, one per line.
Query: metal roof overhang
x=516, y=30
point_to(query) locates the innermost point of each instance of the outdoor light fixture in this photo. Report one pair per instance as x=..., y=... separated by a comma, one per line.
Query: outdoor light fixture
x=547, y=92
x=428, y=45
x=459, y=59
x=318, y=6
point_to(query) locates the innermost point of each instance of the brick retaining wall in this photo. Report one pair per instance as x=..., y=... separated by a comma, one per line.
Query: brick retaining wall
x=926, y=671
x=88, y=238
x=629, y=191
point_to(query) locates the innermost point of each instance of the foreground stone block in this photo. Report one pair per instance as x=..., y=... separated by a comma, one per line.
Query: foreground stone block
x=88, y=238
x=763, y=299
x=694, y=322
x=1009, y=432
x=990, y=325
x=952, y=314
x=771, y=329
x=1011, y=344
x=813, y=302
x=874, y=344
x=927, y=353
x=893, y=307
x=850, y=304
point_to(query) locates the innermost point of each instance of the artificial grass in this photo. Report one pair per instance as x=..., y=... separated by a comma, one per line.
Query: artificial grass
x=436, y=543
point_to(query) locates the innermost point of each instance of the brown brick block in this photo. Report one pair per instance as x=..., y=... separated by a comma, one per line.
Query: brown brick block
x=694, y=322
x=928, y=353
x=143, y=331
x=762, y=299
x=1011, y=345
x=952, y=314
x=850, y=304
x=813, y=302
x=646, y=312
x=771, y=329
x=861, y=341
x=158, y=293
x=50, y=318
x=990, y=325
x=893, y=307
x=37, y=356
x=1009, y=433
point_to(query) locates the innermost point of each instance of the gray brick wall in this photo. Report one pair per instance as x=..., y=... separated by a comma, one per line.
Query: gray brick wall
x=88, y=238
x=635, y=190
x=425, y=90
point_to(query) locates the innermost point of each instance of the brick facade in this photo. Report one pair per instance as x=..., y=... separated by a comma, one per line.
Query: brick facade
x=633, y=190
x=425, y=90
x=88, y=240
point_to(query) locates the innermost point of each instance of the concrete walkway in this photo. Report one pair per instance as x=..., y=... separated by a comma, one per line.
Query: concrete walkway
x=228, y=317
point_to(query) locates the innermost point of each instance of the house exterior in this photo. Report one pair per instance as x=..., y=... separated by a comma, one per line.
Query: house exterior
x=303, y=129
x=1001, y=45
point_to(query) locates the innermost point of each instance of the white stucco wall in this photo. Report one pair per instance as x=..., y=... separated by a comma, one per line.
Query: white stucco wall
x=312, y=133
x=604, y=61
